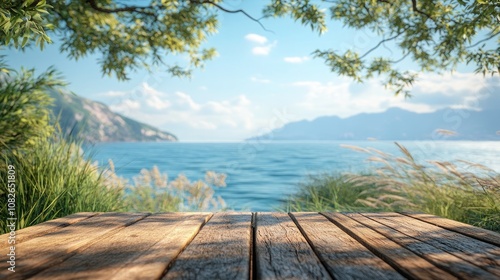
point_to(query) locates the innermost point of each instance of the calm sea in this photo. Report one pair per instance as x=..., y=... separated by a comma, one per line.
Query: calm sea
x=261, y=176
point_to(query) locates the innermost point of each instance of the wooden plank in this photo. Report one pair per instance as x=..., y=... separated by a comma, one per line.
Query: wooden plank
x=49, y=226
x=281, y=252
x=479, y=253
x=341, y=254
x=402, y=259
x=465, y=229
x=141, y=244
x=221, y=250
x=162, y=254
x=53, y=248
x=438, y=257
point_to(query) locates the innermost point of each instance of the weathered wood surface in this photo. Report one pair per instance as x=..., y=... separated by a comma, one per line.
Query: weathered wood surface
x=53, y=225
x=401, y=258
x=446, y=248
x=342, y=255
x=396, y=229
x=220, y=251
x=465, y=229
x=231, y=245
x=282, y=252
x=132, y=249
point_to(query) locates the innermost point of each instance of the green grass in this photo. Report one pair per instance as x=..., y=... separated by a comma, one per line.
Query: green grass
x=461, y=191
x=54, y=179
x=328, y=192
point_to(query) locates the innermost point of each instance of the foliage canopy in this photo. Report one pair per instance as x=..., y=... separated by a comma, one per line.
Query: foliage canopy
x=436, y=34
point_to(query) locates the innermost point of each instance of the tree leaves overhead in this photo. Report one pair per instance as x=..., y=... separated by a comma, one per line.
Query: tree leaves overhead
x=134, y=37
x=128, y=37
x=307, y=13
x=436, y=35
x=22, y=22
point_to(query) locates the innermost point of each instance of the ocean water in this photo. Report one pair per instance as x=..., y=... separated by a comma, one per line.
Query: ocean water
x=262, y=176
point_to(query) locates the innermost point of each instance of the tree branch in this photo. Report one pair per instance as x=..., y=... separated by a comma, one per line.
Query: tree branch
x=145, y=10
x=366, y=9
x=381, y=42
x=401, y=59
x=134, y=9
x=484, y=40
x=415, y=9
x=232, y=12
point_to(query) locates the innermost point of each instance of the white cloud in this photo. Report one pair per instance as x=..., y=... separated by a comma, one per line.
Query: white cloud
x=256, y=38
x=242, y=100
x=185, y=113
x=157, y=103
x=198, y=118
x=125, y=105
x=260, y=81
x=263, y=50
x=432, y=92
x=186, y=101
x=449, y=84
x=152, y=97
x=296, y=59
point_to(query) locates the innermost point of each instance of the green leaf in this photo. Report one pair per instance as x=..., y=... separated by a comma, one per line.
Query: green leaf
x=25, y=41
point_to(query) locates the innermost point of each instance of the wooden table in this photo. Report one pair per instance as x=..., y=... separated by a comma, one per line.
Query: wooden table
x=253, y=246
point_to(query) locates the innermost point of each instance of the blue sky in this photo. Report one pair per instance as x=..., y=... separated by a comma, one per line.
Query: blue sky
x=259, y=81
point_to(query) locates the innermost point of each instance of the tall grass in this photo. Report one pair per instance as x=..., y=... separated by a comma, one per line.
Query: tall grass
x=152, y=191
x=328, y=192
x=462, y=191
x=54, y=179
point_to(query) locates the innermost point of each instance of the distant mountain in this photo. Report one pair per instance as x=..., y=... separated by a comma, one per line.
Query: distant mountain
x=95, y=122
x=395, y=124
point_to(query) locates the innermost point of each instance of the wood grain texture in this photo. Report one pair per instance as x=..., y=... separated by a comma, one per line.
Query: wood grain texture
x=161, y=254
x=53, y=248
x=281, y=252
x=341, y=254
x=481, y=254
x=404, y=260
x=49, y=226
x=465, y=229
x=252, y=246
x=118, y=254
x=221, y=250
x=438, y=257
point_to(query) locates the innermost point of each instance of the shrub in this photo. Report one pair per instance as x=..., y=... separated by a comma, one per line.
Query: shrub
x=24, y=112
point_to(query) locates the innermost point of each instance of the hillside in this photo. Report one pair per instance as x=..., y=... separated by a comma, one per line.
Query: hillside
x=394, y=124
x=95, y=122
